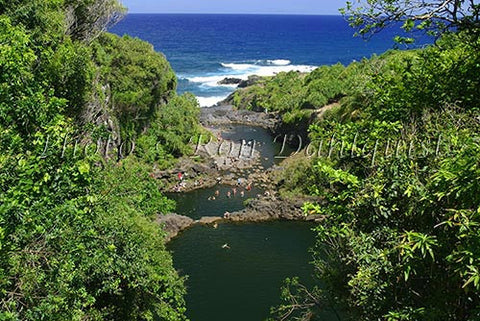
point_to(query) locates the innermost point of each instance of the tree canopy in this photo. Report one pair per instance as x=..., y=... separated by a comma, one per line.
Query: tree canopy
x=87, y=19
x=78, y=238
x=433, y=16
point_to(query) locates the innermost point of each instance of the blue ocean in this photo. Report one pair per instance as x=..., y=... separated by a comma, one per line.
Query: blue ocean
x=204, y=49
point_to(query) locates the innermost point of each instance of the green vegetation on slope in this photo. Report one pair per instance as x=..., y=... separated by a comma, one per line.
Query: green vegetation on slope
x=299, y=96
x=77, y=234
x=399, y=176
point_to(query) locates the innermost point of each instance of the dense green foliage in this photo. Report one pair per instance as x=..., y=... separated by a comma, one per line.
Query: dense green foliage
x=78, y=242
x=394, y=243
x=300, y=97
x=140, y=80
x=78, y=239
x=175, y=124
x=398, y=175
x=297, y=95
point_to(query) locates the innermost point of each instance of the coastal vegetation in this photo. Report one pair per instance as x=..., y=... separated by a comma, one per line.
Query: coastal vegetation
x=86, y=115
x=77, y=234
x=398, y=176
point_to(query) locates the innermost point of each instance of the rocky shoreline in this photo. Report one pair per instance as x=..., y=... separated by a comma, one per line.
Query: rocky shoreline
x=210, y=169
x=263, y=209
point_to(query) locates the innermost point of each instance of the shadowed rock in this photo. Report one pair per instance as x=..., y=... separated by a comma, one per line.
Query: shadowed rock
x=252, y=80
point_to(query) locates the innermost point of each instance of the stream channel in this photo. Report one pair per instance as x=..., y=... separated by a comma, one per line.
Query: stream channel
x=241, y=282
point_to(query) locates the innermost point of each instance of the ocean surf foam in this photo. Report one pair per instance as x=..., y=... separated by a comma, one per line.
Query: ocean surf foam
x=279, y=62
x=210, y=101
x=244, y=70
x=241, y=70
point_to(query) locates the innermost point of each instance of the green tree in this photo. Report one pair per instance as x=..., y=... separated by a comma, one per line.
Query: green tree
x=436, y=16
x=88, y=19
x=140, y=80
x=78, y=238
x=78, y=242
x=24, y=103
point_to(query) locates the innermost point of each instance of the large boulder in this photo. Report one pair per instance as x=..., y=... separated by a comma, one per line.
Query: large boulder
x=174, y=224
x=230, y=81
x=252, y=80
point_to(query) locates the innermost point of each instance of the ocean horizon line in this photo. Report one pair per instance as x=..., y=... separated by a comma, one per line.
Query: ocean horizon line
x=236, y=14
x=206, y=48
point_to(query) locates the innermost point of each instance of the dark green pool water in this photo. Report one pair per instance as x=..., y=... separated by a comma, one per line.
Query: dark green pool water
x=240, y=283
x=196, y=204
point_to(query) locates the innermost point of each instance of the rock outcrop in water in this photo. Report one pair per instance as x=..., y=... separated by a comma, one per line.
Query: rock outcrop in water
x=260, y=209
x=252, y=80
x=272, y=208
x=230, y=81
x=174, y=224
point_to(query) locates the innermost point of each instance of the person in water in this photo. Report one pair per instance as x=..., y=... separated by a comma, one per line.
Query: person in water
x=217, y=192
x=229, y=194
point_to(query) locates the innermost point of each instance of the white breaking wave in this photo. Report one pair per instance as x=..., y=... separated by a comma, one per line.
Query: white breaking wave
x=263, y=68
x=238, y=66
x=210, y=101
x=243, y=71
x=268, y=70
x=211, y=81
x=279, y=62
